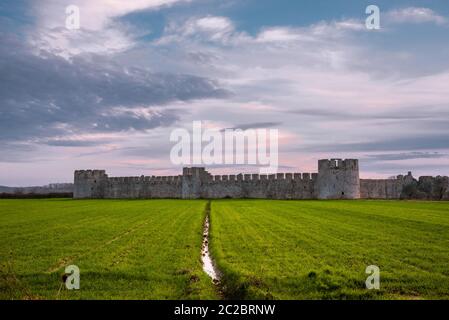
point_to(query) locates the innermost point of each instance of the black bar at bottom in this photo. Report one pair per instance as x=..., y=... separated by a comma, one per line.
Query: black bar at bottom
x=222, y=309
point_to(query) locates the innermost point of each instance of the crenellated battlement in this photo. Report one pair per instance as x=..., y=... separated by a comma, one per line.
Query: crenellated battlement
x=194, y=171
x=89, y=173
x=338, y=164
x=196, y=182
x=304, y=177
x=146, y=179
x=336, y=179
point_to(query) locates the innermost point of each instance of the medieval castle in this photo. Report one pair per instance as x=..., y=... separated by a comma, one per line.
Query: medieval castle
x=336, y=179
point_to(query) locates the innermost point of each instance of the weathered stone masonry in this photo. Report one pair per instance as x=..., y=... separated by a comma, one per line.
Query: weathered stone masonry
x=336, y=179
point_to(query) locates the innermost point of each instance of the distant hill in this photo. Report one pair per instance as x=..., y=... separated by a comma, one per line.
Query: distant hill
x=51, y=188
x=4, y=189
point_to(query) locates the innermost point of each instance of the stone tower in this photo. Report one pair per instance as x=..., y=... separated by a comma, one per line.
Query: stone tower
x=338, y=179
x=192, y=182
x=90, y=184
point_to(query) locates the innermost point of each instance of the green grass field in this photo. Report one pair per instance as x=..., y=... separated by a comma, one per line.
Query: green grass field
x=124, y=249
x=320, y=249
x=150, y=249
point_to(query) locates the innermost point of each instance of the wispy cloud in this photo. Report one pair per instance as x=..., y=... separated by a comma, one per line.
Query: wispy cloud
x=415, y=15
x=256, y=125
x=100, y=29
x=406, y=156
x=47, y=96
x=425, y=142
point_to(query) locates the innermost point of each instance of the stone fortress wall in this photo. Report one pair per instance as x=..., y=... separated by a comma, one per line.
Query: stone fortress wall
x=336, y=179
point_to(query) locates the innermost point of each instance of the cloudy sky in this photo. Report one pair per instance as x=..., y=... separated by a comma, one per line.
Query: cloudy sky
x=108, y=95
